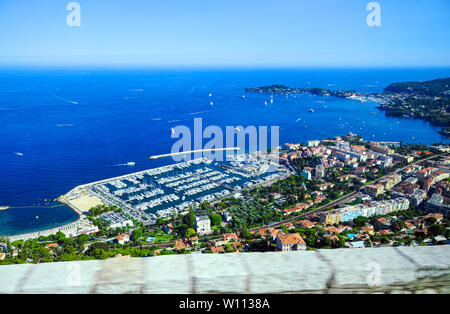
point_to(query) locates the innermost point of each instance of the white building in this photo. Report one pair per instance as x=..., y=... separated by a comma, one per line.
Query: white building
x=313, y=143
x=203, y=225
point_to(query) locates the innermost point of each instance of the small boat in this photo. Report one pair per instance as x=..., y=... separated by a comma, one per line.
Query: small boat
x=18, y=154
x=265, y=103
x=210, y=94
x=310, y=110
x=243, y=96
x=172, y=131
x=37, y=217
x=131, y=163
x=211, y=104
x=271, y=99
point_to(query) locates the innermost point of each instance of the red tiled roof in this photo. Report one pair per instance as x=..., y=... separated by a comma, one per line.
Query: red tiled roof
x=291, y=238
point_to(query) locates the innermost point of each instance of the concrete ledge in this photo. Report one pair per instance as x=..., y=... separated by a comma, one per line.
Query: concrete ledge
x=378, y=270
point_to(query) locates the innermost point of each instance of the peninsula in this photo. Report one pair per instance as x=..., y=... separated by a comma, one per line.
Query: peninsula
x=425, y=100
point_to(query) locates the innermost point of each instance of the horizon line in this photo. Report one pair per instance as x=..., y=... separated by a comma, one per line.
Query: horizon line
x=219, y=66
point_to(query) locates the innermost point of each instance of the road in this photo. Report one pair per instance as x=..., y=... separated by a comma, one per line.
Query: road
x=339, y=201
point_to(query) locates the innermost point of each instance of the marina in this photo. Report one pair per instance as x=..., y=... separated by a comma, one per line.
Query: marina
x=171, y=189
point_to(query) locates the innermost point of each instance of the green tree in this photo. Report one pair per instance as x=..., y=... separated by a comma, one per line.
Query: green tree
x=190, y=232
x=216, y=220
x=137, y=234
x=82, y=239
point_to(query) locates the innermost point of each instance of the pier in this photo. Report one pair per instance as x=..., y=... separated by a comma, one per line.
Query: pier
x=195, y=151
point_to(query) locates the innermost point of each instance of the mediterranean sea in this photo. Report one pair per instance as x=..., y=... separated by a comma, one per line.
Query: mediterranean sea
x=60, y=128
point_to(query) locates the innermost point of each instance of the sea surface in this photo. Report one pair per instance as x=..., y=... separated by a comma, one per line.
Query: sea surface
x=60, y=128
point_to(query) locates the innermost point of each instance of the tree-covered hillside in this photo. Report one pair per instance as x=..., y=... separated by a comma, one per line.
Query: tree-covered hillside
x=438, y=87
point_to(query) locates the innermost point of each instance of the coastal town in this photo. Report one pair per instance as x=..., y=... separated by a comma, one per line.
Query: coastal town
x=341, y=192
x=425, y=100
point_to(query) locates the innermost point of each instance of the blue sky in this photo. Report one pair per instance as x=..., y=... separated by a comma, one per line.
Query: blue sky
x=278, y=33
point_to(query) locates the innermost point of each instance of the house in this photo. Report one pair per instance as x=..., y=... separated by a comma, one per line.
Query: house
x=436, y=204
x=180, y=245
x=289, y=225
x=440, y=239
x=324, y=186
x=367, y=229
x=306, y=223
x=409, y=226
x=226, y=216
x=230, y=237
x=356, y=244
x=123, y=238
x=332, y=230
x=203, y=225
x=438, y=217
x=297, y=208
x=384, y=232
x=374, y=189
x=217, y=249
x=193, y=240
x=290, y=242
x=382, y=223
x=272, y=232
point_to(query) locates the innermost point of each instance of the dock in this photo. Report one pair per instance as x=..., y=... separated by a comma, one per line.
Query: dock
x=194, y=151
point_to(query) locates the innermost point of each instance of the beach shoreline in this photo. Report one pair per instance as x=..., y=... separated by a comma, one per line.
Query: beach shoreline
x=48, y=231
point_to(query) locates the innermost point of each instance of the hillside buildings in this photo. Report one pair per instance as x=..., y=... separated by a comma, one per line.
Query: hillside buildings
x=365, y=210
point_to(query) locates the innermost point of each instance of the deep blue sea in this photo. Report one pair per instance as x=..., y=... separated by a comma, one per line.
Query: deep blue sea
x=63, y=127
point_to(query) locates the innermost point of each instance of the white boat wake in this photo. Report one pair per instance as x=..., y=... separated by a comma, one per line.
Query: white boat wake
x=66, y=100
x=193, y=113
x=128, y=164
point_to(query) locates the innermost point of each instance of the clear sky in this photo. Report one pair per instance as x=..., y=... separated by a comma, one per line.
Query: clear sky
x=279, y=33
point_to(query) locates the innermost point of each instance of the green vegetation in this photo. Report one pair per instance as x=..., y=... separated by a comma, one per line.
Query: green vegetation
x=438, y=87
x=252, y=214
